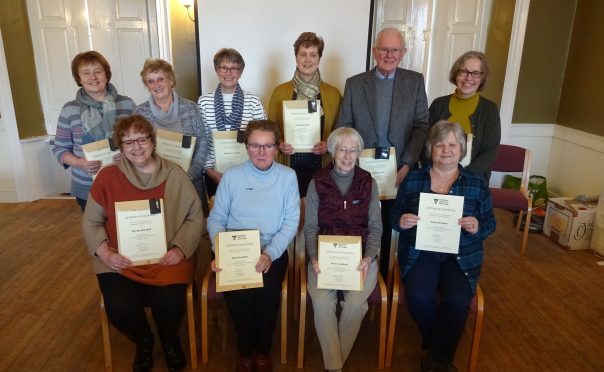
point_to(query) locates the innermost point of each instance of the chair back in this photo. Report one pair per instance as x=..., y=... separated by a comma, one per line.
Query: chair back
x=514, y=159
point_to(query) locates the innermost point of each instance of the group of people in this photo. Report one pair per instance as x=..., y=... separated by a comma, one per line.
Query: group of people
x=381, y=108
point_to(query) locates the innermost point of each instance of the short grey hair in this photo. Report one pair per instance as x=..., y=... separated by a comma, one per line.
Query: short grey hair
x=338, y=135
x=389, y=30
x=441, y=130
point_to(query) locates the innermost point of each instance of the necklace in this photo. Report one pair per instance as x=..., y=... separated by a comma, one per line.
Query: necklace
x=441, y=182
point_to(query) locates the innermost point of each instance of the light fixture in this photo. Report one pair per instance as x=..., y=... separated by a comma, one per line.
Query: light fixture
x=188, y=4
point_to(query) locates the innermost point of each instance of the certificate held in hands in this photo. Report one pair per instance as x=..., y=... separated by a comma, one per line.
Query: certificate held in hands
x=438, y=228
x=102, y=150
x=237, y=253
x=141, y=232
x=302, y=124
x=175, y=147
x=227, y=150
x=339, y=260
x=382, y=168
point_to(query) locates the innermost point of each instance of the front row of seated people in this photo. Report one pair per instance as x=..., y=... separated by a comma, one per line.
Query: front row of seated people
x=262, y=194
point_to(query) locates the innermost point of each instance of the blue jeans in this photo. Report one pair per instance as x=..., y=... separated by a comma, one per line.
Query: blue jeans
x=438, y=295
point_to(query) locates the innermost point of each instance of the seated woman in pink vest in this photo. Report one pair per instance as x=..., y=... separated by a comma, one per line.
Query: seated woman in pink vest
x=342, y=199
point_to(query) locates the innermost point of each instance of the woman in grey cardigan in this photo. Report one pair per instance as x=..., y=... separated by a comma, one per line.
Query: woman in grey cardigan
x=167, y=110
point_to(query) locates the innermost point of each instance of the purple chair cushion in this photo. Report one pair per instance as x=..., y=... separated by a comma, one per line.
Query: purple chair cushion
x=509, y=199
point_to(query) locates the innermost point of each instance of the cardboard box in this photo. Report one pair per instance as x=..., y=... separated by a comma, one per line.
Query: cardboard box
x=569, y=223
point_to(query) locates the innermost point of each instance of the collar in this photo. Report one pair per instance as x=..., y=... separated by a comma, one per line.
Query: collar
x=381, y=76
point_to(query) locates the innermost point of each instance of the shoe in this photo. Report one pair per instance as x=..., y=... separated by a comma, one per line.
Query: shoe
x=143, y=361
x=175, y=357
x=429, y=364
x=244, y=364
x=264, y=363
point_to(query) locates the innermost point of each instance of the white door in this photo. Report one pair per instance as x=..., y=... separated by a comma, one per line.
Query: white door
x=118, y=29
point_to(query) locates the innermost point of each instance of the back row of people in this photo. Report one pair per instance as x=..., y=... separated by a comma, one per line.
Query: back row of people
x=386, y=105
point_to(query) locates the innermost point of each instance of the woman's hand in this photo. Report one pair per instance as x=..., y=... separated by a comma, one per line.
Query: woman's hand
x=117, y=157
x=364, y=266
x=172, y=257
x=91, y=167
x=470, y=224
x=214, y=175
x=264, y=263
x=315, y=266
x=408, y=220
x=320, y=148
x=286, y=148
x=214, y=267
x=111, y=258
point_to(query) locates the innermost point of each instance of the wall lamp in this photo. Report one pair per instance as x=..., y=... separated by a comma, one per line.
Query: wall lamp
x=188, y=4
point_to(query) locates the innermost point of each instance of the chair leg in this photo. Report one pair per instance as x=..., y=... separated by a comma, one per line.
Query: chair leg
x=204, y=324
x=106, y=340
x=191, y=326
x=477, y=331
x=526, y=230
x=383, y=322
x=302, y=322
x=391, y=328
x=284, y=318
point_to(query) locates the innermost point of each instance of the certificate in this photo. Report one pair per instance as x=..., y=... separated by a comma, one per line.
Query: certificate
x=339, y=260
x=237, y=253
x=141, y=232
x=468, y=158
x=438, y=228
x=383, y=171
x=227, y=151
x=102, y=150
x=175, y=147
x=302, y=124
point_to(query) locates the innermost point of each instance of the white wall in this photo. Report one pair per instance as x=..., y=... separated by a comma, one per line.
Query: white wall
x=264, y=31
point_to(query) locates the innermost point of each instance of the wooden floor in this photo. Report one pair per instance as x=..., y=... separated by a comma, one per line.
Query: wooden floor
x=544, y=311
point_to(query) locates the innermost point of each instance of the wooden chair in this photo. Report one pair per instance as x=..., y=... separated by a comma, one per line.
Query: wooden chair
x=514, y=159
x=190, y=323
x=208, y=291
x=398, y=298
x=379, y=297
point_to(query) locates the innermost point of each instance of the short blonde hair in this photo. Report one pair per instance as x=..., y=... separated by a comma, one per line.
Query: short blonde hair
x=339, y=134
x=157, y=64
x=440, y=131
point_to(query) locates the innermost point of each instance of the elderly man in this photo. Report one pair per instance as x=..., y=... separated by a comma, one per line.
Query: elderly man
x=388, y=107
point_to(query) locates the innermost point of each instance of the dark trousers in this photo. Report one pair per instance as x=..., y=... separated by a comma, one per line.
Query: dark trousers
x=254, y=310
x=211, y=186
x=386, y=234
x=438, y=295
x=125, y=300
x=81, y=203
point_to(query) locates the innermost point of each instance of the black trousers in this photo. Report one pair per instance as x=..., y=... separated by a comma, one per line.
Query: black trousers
x=254, y=311
x=387, y=205
x=125, y=300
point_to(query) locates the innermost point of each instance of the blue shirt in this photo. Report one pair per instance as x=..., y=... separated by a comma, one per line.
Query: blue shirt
x=477, y=203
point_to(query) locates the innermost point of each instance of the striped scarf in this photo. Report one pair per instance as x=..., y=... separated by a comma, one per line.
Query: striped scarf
x=233, y=121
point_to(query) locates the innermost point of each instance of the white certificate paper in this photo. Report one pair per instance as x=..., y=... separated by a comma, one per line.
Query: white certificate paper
x=302, y=128
x=141, y=232
x=383, y=171
x=237, y=253
x=438, y=228
x=175, y=147
x=99, y=150
x=227, y=151
x=339, y=260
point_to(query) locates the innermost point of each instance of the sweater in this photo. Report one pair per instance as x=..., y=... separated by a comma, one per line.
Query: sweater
x=486, y=130
x=330, y=100
x=477, y=203
x=252, y=110
x=248, y=198
x=343, y=183
x=191, y=125
x=68, y=139
x=183, y=216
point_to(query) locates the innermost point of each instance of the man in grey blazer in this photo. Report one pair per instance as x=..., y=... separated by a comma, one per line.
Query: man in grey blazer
x=388, y=107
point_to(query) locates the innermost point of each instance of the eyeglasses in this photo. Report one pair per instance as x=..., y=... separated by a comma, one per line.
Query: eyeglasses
x=386, y=51
x=224, y=70
x=140, y=140
x=256, y=147
x=345, y=151
x=474, y=74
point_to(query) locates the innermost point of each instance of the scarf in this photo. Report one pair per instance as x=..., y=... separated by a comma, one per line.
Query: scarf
x=233, y=121
x=167, y=120
x=306, y=90
x=97, y=117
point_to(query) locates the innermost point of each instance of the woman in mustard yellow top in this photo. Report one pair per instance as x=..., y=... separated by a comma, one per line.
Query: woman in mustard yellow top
x=306, y=85
x=477, y=115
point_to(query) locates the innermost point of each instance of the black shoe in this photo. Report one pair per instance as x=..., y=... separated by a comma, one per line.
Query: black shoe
x=429, y=364
x=175, y=357
x=143, y=361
